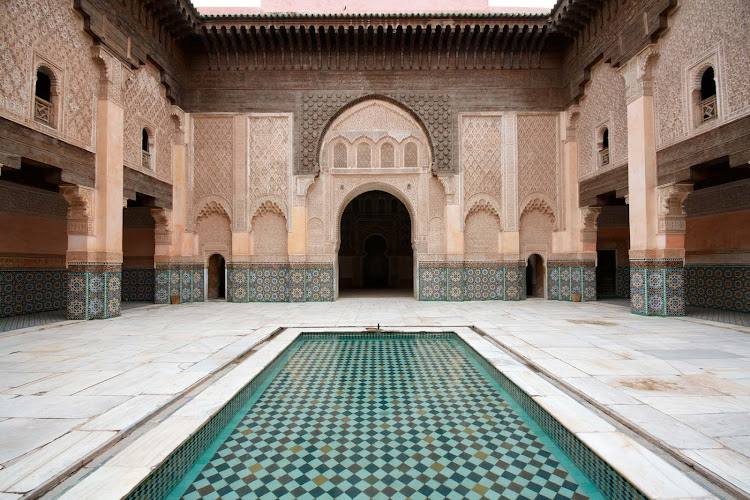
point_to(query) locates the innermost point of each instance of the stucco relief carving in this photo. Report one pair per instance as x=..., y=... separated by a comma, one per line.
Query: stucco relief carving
x=542, y=204
x=638, y=74
x=270, y=229
x=697, y=30
x=147, y=106
x=213, y=205
x=212, y=157
x=375, y=134
x=26, y=200
x=215, y=234
x=81, y=209
x=269, y=159
x=54, y=30
x=604, y=101
x=481, y=157
x=538, y=157
x=481, y=231
x=318, y=108
x=536, y=232
x=671, y=207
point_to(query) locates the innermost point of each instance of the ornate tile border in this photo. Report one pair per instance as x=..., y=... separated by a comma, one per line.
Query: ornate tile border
x=26, y=291
x=175, y=278
x=657, y=287
x=279, y=282
x=718, y=287
x=94, y=290
x=564, y=278
x=466, y=281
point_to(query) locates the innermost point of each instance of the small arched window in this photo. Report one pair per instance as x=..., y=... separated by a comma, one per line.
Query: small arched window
x=410, y=155
x=339, y=156
x=604, y=148
x=363, y=155
x=387, y=155
x=45, y=98
x=147, y=150
x=708, y=108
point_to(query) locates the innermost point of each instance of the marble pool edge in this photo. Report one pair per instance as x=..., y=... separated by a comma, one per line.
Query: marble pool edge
x=647, y=471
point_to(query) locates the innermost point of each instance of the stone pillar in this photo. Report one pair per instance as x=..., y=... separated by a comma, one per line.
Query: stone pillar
x=177, y=273
x=656, y=253
x=95, y=215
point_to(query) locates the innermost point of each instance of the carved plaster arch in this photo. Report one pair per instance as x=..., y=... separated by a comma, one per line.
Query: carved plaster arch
x=376, y=186
x=269, y=203
x=348, y=108
x=482, y=201
x=212, y=204
x=542, y=203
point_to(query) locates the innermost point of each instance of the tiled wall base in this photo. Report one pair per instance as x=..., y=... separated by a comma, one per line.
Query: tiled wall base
x=26, y=291
x=138, y=285
x=182, y=279
x=657, y=287
x=623, y=282
x=94, y=290
x=564, y=278
x=460, y=281
x=279, y=282
x=719, y=287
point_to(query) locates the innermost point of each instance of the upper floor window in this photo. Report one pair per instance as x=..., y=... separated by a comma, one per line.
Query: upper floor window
x=339, y=156
x=45, y=97
x=604, y=148
x=411, y=155
x=708, y=108
x=387, y=155
x=147, y=150
x=363, y=155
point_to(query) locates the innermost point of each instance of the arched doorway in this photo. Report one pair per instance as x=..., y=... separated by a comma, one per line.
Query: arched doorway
x=535, y=275
x=376, y=251
x=216, y=277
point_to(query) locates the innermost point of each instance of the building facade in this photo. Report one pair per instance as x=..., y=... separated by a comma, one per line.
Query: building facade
x=152, y=153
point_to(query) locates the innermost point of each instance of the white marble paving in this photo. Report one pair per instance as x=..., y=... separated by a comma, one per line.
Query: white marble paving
x=644, y=369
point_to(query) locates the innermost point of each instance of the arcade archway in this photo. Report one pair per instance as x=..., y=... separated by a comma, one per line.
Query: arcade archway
x=376, y=253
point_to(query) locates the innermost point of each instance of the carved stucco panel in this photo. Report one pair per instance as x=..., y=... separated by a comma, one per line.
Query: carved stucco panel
x=212, y=157
x=697, y=31
x=538, y=158
x=53, y=30
x=147, y=106
x=481, y=157
x=603, y=102
x=269, y=160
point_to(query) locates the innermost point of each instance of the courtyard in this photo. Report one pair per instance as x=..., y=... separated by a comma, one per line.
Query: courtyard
x=71, y=390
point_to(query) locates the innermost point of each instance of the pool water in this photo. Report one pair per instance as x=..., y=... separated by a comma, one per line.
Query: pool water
x=382, y=418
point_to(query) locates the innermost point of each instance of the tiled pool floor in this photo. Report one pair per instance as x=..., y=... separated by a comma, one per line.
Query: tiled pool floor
x=390, y=419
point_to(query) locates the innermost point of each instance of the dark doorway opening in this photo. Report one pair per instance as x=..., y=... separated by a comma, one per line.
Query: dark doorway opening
x=606, y=273
x=535, y=275
x=216, y=277
x=376, y=248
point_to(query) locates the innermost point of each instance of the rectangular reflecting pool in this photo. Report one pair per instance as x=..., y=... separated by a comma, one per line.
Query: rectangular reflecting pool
x=383, y=416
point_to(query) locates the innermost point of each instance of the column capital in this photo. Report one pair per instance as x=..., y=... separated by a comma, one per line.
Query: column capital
x=81, y=208
x=637, y=73
x=162, y=225
x=589, y=228
x=671, y=207
x=572, y=118
x=178, y=119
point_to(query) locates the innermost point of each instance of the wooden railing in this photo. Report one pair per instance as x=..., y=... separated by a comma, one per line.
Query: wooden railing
x=708, y=109
x=146, y=159
x=604, y=156
x=43, y=111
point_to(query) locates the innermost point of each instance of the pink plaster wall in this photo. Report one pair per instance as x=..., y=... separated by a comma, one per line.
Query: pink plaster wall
x=719, y=232
x=138, y=247
x=27, y=234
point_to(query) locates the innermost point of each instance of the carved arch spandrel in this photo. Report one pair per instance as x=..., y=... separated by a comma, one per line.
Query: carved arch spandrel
x=211, y=205
x=541, y=203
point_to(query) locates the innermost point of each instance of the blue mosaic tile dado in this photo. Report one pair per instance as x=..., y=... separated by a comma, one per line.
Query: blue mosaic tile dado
x=94, y=290
x=622, y=282
x=180, y=279
x=26, y=291
x=718, y=287
x=657, y=287
x=138, y=285
x=564, y=278
x=279, y=282
x=465, y=281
